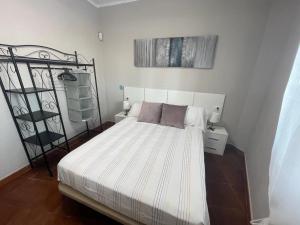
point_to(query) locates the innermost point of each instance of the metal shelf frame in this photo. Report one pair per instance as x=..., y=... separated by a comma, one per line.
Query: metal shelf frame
x=38, y=61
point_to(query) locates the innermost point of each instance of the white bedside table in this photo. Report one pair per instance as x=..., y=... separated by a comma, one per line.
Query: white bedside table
x=120, y=116
x=215, y=141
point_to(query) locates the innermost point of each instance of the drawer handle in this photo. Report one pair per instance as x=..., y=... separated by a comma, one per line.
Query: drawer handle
x=211, y=148
x=215, y=139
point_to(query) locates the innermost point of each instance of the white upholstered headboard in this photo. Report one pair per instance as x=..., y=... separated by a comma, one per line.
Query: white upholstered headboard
x=208, y=101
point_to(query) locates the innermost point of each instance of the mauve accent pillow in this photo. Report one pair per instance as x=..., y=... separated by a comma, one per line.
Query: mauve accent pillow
x=150, y=112
x=173, y=115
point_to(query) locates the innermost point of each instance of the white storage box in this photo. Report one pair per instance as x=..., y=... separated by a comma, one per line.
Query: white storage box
x=83, y=79
x=80, y=104
x=79, y=97
x=80, y=92
x=83, y=115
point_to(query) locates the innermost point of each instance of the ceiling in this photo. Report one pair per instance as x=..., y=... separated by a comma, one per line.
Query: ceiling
x=104, y=3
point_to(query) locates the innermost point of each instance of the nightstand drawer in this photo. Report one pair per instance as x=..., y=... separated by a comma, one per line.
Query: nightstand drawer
x=211, y=150
x=215, y=149
x=211, y=144
x=215, y=141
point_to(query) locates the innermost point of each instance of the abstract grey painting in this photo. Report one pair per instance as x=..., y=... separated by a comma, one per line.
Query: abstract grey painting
x=188, y=52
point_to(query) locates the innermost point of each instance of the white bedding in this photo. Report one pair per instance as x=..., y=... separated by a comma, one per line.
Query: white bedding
x=151, y=173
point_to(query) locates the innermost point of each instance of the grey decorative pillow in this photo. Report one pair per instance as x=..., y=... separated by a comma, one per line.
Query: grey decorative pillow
x=173, y=115
x=150, y=112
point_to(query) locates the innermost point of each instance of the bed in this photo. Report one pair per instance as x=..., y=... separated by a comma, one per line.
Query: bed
x=140, y=173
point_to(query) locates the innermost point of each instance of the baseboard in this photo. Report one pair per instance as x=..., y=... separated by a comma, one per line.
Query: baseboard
x=14, y=175
x=249, y=191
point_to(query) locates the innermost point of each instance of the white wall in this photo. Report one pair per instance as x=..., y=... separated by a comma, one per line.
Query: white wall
x=239, y=23
x=253, y=61
x=67, y=25
x=271, y=74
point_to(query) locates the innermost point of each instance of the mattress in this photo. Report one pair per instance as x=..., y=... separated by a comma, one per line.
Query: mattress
x=151, y=173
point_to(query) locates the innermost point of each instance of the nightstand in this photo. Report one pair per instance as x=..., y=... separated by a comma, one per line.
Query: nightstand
x=120, y=116
x=215, y=141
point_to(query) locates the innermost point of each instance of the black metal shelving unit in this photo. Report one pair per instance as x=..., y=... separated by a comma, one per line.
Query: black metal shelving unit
x=26, y=76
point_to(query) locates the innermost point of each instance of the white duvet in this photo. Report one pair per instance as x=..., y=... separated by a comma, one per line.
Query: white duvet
x=151, y=173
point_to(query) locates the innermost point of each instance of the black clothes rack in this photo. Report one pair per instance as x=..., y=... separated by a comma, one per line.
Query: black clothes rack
x=27, y=80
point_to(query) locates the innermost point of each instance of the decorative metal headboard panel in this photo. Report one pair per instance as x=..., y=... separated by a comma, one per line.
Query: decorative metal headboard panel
x=37, y=52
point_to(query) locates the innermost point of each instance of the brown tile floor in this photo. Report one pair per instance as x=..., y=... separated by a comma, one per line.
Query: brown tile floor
x=226, y=185
x=34, y=199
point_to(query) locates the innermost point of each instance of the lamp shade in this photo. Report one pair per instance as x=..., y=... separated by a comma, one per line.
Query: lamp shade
x=215, y=117
x=126, y=105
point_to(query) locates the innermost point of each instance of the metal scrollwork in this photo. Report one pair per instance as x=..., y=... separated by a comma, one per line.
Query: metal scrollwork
x=8, y=76
x=42, y=78
x=55, y=120
x=44, y=54
x=70, y=58
x=18, y=110
x=27, y=127
x=12, y=69
x=34, y=150
x=40, y=65
x=4, y=52
x=49, y=105
x=82, y=59
x=54, y=124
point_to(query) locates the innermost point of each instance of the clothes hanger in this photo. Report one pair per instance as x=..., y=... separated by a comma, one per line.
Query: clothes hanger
x=67, y=75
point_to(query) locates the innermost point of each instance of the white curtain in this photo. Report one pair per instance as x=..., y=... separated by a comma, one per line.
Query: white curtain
x=284, y=186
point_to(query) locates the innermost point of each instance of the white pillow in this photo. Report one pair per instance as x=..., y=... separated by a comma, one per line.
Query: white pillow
x=135, y=109
x=195, y=116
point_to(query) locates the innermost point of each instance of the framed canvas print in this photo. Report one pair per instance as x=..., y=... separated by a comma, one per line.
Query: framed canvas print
x=187, y=52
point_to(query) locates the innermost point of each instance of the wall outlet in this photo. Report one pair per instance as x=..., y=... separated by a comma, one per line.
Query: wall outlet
x=100, y=36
